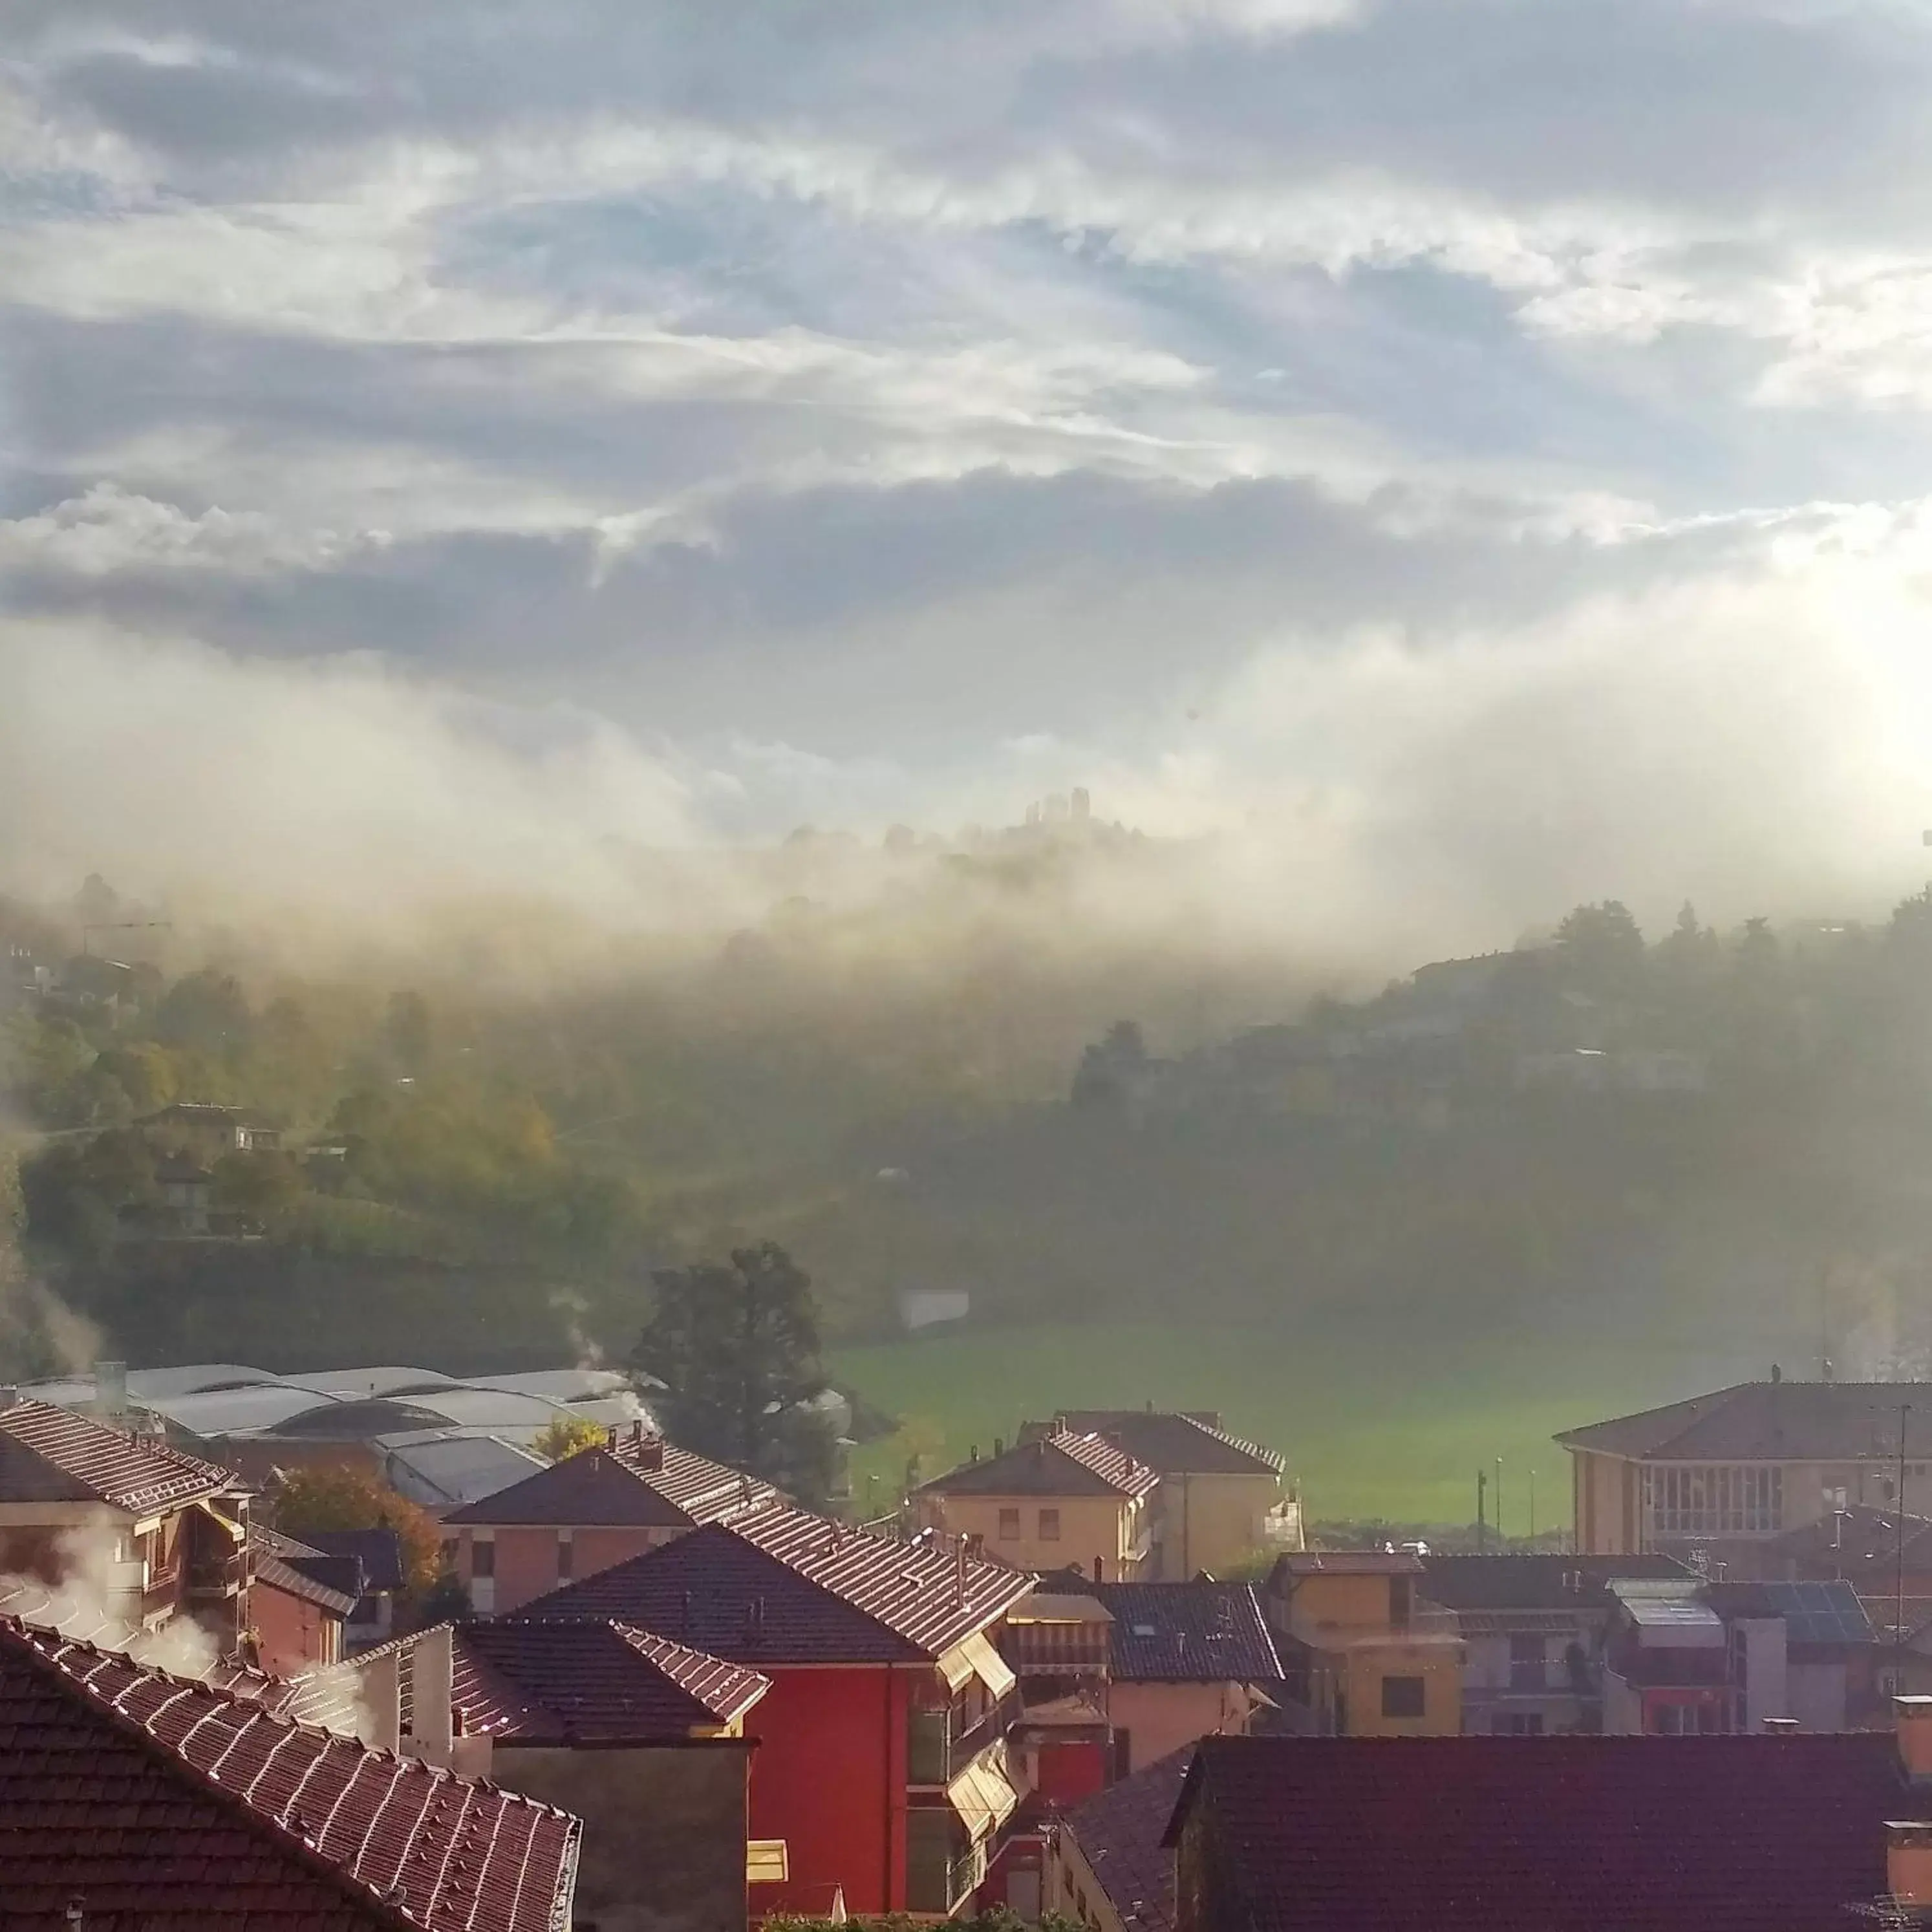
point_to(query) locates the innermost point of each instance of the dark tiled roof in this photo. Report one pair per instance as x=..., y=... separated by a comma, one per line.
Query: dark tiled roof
x=528, y=1682
x=1763, y=1421
x=1748, y=1834
x=1191, y=1633
x=783, y=1585
x=1174, y=1444
x=1066, y=1465
x=332, y=1583
x=1348, y=1563
x=650, y=1484
x=173, y=1807
x=274, y=1573
x=1859, y=1542
x=1507, y=1581
x=1119, y=1832
x=52, y=1455
x=379, y=1551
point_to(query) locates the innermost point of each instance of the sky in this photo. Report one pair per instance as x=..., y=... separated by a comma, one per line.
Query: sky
x=1473, y=450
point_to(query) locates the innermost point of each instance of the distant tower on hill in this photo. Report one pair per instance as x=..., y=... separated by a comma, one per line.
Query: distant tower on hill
x=1083, y=805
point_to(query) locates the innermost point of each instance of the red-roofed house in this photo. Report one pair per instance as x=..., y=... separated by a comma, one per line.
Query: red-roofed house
x=134, y=1801
x=642, y=1738
x=299, y=1598
x=146, y=1532
x=1068, y=1499
x=596, y=1508
x=882, y=1759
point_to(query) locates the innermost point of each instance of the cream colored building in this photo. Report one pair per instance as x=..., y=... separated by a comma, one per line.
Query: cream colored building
x=1222, y=1502
x=1726, y=1472
x=1068, y=1499
x=1360, y=1658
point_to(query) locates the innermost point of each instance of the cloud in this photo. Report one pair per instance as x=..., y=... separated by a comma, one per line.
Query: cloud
x=482, y=439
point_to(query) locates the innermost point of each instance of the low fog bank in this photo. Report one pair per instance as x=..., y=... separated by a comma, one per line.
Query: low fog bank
x=1758, y=740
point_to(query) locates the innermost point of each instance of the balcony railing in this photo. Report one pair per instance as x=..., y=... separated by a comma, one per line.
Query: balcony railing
x=941, y=1885
x=936, y=1753
x=218, y=1576
x=163, y=1592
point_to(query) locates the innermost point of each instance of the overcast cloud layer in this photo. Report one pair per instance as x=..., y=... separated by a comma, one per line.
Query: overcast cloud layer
x=1475, y=448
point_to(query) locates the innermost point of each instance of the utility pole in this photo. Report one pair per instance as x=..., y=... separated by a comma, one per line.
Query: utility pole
x=1502, y=1541
x=1532, y=1506
x=1482, y=1484
x=1898, y=1614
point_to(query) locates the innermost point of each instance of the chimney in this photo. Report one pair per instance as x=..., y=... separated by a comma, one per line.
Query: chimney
x=649, y=1451
x=636, y=1432
x=999, y=1447
x=973, y=1454
x=611, y=1436
x=1912, y=1723
x=110, y=1389
x=1908, y=1863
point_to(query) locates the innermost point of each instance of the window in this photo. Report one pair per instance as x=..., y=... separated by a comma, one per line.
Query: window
x=566, y=1552
x=1402, y=1697
x=1517, y=1724
x=1714, y=1500
x=482, y=1558
x=1010, y=1525
x=1049, y=1525
x=1526, y=1661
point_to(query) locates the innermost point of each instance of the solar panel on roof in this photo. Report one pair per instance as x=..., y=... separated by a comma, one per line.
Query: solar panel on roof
x=1819, y=1612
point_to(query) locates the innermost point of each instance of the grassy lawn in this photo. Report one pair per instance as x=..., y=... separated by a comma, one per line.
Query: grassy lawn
x=1367, y=1430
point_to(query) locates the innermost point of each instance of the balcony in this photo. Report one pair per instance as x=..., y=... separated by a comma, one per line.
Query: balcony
x=937, y=1751
x=217, y=1575
x=938, y=1882
x=162, y=1595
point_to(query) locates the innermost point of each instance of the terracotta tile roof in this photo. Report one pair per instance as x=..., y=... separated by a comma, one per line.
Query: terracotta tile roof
x=1065, y=1465
x=525, y=1681
x=1171, y=1443
x=1508, y=1581
x=642, y=1482
x=1119, y=1832
x=52, y=1455
x=783, y=1585
x=1745, y=1834
x=1187, y=1633
x=1763, y=1422
x=1348, y=1563
x=171, y=1807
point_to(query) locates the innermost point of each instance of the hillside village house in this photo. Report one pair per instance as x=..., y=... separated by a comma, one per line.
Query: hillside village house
x=588, y=1513
x=1360, y=1656
x=299, y=1600
x=1220, y=1500
x=1070, y=1498
x=146, y=1531
x=208, y=1131
x=1722, y=1475
x=643, y=1738
x=132, y=1799
x=884, y=1761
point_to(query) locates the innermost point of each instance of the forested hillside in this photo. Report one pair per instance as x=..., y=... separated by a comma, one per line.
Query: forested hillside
x=1707, y=1133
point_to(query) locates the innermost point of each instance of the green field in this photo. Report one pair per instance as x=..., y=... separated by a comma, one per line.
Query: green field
x=1367, y=1431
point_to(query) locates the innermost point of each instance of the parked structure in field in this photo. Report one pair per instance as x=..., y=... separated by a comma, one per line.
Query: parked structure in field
x=1359, y=1656
x=1716, y=1478
x=642, y=1738
x=587, y=1514
x=130, y=1798
x=1220, y=1501
x=1067, y=1497
x=884, y=1761
x=1755, y=1834
x=147, y=1533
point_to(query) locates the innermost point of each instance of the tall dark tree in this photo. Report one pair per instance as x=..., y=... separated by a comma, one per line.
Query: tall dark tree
x=736, y=1346
x=1602, y=950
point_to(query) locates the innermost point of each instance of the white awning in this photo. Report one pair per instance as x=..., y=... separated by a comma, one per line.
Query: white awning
x=983, y=1798
x=974, y=1657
